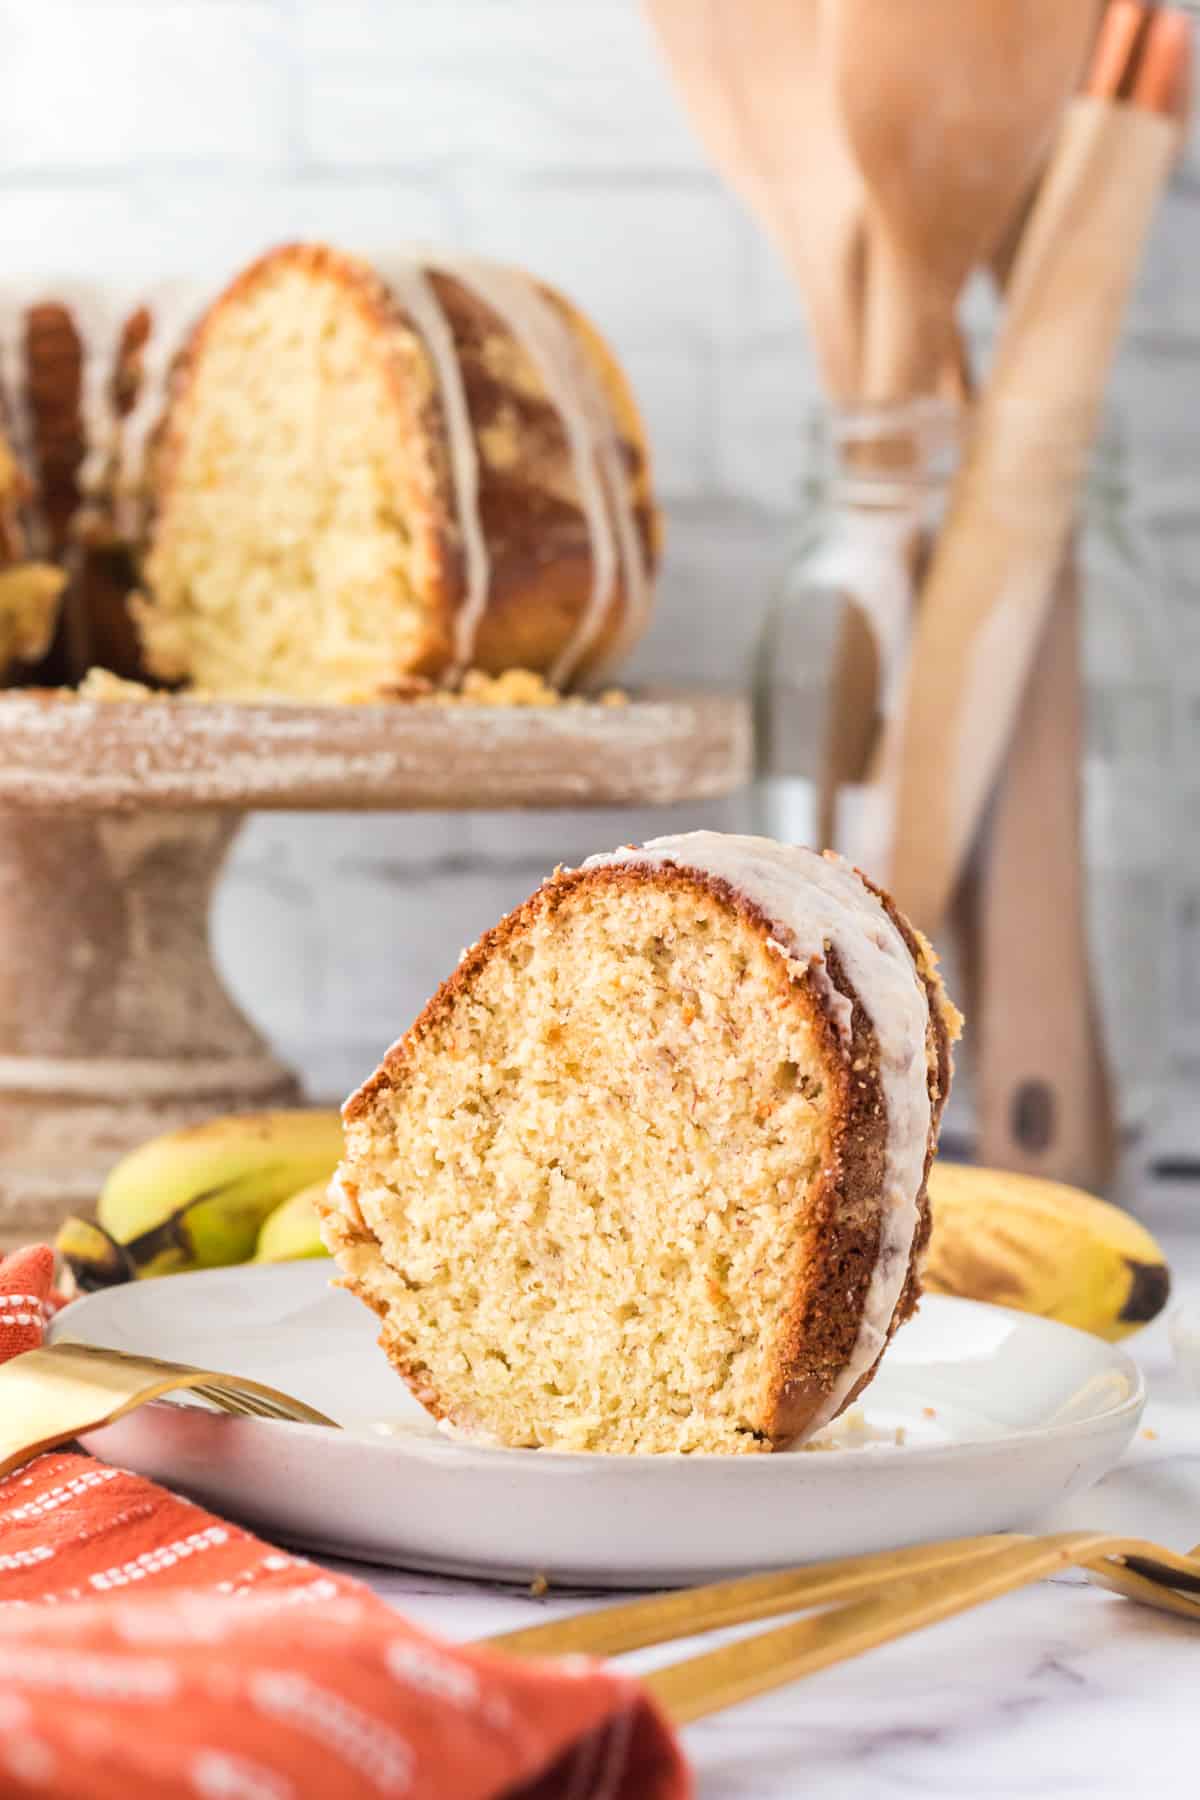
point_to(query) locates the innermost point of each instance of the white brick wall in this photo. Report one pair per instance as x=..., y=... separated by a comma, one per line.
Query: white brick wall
x=143, y=136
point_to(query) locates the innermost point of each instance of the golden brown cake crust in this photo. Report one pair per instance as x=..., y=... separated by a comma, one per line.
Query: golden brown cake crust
x=536, y=534
x=836, y=1263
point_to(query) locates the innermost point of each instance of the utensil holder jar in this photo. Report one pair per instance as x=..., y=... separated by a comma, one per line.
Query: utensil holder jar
x=872, y=497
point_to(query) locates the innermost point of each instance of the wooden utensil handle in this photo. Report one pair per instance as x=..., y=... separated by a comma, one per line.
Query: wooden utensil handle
x=853, y=722
x=984, y=605
x=909, y=325
x=1045, y=1103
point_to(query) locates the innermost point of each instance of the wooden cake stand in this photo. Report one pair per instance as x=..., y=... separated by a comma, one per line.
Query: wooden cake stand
x=115, y=817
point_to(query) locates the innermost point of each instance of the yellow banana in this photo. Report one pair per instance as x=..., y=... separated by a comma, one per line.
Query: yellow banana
x=1043, y=1248
x=293, y=1230
x=92, y=1256
x=197, y=1198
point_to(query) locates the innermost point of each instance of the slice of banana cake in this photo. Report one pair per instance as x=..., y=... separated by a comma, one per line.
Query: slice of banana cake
x=648, y=1173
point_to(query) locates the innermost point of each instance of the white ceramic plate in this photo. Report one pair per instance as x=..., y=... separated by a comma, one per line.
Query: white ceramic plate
x=1001, y=1415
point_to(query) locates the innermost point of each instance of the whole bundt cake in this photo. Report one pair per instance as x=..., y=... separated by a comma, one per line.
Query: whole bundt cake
x=648, y=1173
x=370, y=472
x=337, y=476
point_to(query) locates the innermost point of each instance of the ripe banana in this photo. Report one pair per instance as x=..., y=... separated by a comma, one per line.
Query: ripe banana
x=197, y=1198
x=91, y=1255
x=1043, y=1248
x=293, y=1230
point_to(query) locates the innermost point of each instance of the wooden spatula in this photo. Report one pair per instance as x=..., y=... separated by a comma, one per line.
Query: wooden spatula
x=1042, y=1086
x=1046, y=1104
x=947, y=126
x=1019, y=909
x=948, y=120
x=755, y=79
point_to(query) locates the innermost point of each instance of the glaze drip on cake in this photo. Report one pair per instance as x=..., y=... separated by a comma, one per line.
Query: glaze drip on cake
x=539, y=327
x=546, y=339
x=411, y=288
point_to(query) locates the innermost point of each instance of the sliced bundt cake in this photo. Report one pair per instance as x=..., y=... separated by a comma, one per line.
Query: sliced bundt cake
x=648, y=1173
x=367, y=473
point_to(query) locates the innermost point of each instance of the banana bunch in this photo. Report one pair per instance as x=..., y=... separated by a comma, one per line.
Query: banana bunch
x=1043, y=1248
x=226, y=1191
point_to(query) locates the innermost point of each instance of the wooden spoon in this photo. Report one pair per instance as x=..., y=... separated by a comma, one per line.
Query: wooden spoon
x=948, y=122
x=948, y=127
x=756, y=80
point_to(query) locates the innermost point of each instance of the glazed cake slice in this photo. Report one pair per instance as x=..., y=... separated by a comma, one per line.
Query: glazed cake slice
x=648, y=1173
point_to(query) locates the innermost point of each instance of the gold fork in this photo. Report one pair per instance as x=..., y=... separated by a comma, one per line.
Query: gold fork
x=883, y=1596
x=51, y=1395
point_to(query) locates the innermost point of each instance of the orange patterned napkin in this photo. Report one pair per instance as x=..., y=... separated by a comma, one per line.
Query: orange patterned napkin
x=149, y=1649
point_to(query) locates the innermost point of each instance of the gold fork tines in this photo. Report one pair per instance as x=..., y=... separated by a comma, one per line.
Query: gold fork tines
x=50, y=1395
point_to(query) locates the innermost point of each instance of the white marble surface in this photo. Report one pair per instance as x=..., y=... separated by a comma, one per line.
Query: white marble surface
x=1060, y=1692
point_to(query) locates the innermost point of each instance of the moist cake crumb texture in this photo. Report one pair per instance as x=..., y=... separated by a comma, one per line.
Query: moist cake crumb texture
x=628, y=1184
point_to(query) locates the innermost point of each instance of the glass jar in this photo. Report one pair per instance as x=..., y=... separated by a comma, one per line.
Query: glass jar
x=873, y=498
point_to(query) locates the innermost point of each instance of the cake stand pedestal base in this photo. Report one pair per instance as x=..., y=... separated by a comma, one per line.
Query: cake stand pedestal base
x=114, y=1024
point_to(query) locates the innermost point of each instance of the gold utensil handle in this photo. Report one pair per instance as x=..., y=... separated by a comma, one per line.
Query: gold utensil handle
x=708, y=1683
x=689, y=1611
x=884, y=1596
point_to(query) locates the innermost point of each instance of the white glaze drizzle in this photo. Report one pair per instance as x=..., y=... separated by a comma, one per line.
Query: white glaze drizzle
x=550, y=345
x=173, y=307
x=99, y=320
x=113, y=449
x=814, y=903
x=635, y=581
x=635, y=575
x=409, y=285
x=94, y=317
